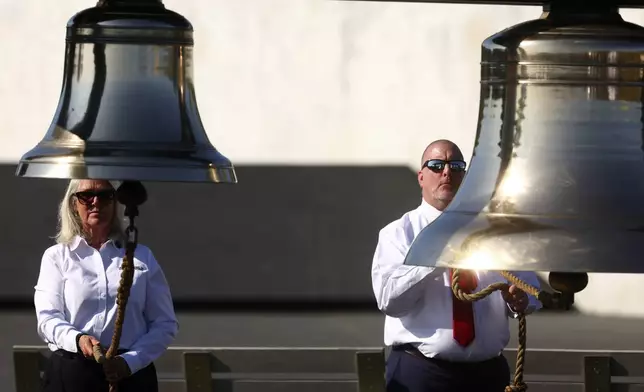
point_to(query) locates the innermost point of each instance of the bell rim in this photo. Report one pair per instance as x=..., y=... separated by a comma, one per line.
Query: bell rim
x=481, y=242
x=219, y=174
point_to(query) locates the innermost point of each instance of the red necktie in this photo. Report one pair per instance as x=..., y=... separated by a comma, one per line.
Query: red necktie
x=462, y=313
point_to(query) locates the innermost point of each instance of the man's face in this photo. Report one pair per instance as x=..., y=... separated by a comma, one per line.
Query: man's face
x=441, y=174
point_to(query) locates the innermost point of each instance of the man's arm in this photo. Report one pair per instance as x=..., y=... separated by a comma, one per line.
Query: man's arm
x=397, y=287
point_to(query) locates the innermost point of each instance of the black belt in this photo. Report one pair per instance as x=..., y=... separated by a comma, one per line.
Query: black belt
x=80, y=355
x=413, y=350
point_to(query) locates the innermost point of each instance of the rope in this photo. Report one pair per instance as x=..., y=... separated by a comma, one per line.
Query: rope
x=123, y=293
x=517, y=384
x=131, y=194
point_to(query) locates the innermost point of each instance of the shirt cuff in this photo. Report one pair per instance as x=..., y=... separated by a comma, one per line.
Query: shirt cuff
x=70, y=342
x=133, y=361
x=78, y=336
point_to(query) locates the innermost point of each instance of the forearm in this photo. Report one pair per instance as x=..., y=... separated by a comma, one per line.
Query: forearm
x=161, y=320
x=401, y=290
x=149, y=347
x=54, y=329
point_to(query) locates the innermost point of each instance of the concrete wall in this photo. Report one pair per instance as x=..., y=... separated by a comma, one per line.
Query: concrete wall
x=291, y=83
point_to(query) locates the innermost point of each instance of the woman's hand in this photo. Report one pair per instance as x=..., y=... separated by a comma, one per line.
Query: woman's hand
x=86, y=343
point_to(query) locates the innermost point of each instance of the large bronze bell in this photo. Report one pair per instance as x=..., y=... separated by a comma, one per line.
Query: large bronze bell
x=127, y=109
x=556, y=182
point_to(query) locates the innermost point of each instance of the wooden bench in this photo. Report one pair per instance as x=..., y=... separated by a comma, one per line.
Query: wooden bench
x=287, y=369
x=271, y=369
x=581, y=371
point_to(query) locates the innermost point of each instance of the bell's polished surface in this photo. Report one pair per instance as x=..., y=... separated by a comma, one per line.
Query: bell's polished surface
x=556, y=182
x=127, y=108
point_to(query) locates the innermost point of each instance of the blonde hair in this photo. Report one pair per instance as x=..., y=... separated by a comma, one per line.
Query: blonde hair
x=70, y=225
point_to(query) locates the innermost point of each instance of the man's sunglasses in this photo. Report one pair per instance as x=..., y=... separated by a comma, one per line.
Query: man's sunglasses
x=437, y=165
x=87, y=197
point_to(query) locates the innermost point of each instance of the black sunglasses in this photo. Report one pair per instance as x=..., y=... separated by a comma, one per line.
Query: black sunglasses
x=437, y=165
x=87, y=197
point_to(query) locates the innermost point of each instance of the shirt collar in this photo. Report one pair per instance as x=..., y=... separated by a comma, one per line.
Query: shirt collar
x=427, y=210
x=78, y=241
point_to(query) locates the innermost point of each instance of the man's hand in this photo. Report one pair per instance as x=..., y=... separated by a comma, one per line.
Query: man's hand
x=116, y=369
x=516, y=298
x=86, y=344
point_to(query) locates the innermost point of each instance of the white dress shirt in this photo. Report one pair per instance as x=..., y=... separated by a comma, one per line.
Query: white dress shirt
x=76, y=292
x=417, y=300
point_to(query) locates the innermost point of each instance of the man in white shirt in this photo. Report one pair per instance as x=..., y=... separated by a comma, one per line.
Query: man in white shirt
x=440, y=344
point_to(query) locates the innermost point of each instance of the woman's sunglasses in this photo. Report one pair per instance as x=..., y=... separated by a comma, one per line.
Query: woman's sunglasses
x=87, y=197
x=437, y=165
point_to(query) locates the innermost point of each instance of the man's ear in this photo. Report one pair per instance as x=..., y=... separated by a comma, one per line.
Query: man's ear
x=420, y=178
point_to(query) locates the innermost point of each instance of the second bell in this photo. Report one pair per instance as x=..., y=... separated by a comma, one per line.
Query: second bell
x=556, y=181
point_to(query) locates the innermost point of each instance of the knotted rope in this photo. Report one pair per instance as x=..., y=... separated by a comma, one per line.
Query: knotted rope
x=517, y=384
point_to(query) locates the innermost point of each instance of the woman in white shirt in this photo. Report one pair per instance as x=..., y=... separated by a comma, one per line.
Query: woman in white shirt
x=75, y=298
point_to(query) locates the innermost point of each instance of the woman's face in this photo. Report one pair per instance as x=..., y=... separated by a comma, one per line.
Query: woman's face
x=94, y=202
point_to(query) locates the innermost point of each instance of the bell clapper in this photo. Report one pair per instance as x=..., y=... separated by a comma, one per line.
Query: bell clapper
x=566, y=285
x=131, y=194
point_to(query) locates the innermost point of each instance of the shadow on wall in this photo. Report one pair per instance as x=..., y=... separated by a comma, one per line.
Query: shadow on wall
x=298, y=237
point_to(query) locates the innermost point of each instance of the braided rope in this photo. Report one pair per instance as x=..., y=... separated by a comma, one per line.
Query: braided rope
x=123, y=293
x=517, y=384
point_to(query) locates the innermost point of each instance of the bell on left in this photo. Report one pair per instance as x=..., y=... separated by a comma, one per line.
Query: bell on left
x=127, y=108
